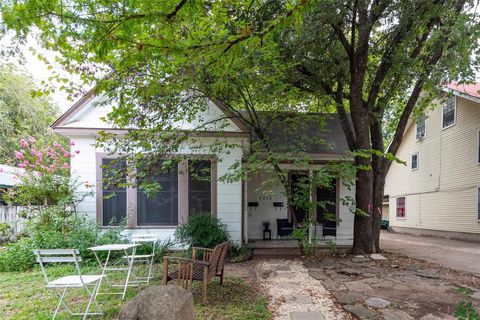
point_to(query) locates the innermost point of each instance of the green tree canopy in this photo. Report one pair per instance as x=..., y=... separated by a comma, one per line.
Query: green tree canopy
x=370, y=60
x=22, y=113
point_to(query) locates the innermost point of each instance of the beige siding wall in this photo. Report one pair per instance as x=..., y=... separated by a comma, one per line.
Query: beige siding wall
x=442, y=193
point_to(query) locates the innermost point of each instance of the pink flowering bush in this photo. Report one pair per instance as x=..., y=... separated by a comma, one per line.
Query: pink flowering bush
x=43, y=159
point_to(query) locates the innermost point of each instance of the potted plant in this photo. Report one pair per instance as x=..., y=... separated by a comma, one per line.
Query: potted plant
x=266, y=225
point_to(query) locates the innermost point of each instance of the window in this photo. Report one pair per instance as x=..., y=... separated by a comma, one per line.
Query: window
x=415, y=161
x=163, y=197
x=401, y=207
x=159, y=207
x=199, y=186
x=114, y=191
x=448, y=114
x=420, y=134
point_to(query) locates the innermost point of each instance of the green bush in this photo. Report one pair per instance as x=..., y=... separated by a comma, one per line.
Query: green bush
x=202, y=230
x=239, y=253
x=72, y=233
x=17, y=256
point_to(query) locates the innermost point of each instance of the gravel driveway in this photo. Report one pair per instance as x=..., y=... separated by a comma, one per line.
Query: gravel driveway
x=458, y=255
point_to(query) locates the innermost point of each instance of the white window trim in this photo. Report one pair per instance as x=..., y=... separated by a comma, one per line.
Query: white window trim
x=454, y=113
x=411, y=162
x=405, y=208
x=424, y=131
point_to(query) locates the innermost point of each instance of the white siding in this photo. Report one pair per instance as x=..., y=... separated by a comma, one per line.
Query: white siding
x=91, y=115
x=229, y=195
x=442, y=193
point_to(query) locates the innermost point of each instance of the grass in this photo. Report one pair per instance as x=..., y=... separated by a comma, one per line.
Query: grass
x=24, y=296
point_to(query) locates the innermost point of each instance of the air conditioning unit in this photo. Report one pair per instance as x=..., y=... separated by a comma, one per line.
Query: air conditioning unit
x=420, y=135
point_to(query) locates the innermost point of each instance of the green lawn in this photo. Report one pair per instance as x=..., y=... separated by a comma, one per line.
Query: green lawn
x=24, y=296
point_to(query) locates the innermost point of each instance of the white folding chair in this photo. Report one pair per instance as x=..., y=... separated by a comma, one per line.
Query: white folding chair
x=147, y=259
x=72, y=281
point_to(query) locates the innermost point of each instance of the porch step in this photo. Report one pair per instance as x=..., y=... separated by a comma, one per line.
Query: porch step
x=289, y=252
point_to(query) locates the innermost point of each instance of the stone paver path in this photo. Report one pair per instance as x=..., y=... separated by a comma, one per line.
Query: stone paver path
x=294, y=294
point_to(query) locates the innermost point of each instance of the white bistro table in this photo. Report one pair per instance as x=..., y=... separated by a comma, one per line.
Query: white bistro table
x=106, y=267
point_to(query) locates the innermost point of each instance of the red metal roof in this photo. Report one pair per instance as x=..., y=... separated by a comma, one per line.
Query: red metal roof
x=470, y=89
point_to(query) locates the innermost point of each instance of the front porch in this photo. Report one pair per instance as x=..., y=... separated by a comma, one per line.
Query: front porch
x=288, y=248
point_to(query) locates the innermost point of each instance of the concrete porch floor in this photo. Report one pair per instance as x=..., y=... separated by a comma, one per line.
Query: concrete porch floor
x=290, y=243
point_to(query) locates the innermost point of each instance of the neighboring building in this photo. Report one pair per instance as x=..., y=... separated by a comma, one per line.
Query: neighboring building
x=438, y=191
x=240, y=205
x=7, y=179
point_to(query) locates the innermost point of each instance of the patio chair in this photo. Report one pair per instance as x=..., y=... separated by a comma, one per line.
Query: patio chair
x=329, y=228
x=77, y=281
x=284, y=228
x=147, y=259
x=189, y=270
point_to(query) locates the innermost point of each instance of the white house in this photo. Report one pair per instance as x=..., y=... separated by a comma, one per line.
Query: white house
x=438, y=192
x=241, y=205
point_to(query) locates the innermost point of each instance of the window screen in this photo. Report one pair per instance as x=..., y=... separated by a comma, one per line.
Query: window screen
x=114, y=191
x=449, y=112
x=401, y=207
x=421, y=127
x=414, y=161
x=199, y=186
x=159, y=207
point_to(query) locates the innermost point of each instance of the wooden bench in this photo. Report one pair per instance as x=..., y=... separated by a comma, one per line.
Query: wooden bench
x=188, y=270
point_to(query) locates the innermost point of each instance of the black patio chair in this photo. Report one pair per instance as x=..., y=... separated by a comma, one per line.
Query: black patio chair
x=329, y=228
x=284, y=228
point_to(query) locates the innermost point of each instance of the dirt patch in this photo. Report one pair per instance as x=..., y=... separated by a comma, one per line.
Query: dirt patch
x=397, y=288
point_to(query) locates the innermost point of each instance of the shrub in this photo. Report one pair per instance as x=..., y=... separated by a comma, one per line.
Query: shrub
x=202, y=230
x=17, y=256
x=6, y=232
x=81, y=234
x=239, y=253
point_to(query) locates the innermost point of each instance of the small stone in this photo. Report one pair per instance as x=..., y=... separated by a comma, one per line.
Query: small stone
x=332, y=285
x=311, y=265
x=368, y=275
x=319, y=275
x=377, y=303
x=476, y=295
x=432, y=274
x=394, y=265
x=378, y=257
x=360, y=312
x=360, y=259
x=391, y=314
x=430, y=317
x=349, y=271
x=348, y=263
x=307, y=315
x=347, y=297
x=358, y=286
x=326, y=263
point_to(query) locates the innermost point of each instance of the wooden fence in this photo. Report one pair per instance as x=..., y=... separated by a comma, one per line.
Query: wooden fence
x=11, y=215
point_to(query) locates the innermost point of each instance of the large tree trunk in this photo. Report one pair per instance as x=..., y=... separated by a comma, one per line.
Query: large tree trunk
x=362, y=227
x=377, y=197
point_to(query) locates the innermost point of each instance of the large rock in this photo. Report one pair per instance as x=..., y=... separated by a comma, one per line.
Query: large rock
x=160, y=303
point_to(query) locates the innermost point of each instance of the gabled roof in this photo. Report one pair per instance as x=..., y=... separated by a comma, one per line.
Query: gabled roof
x=83, y=102
x=73, y=110
x=314, y=133
x=468, y=91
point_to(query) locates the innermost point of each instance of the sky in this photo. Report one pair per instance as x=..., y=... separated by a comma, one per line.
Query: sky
x=39, y=70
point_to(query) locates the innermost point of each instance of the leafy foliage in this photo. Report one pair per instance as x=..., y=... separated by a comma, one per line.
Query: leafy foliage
x=465, y=309
x=202, y=230
x=369, y=61
x=22, y=114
